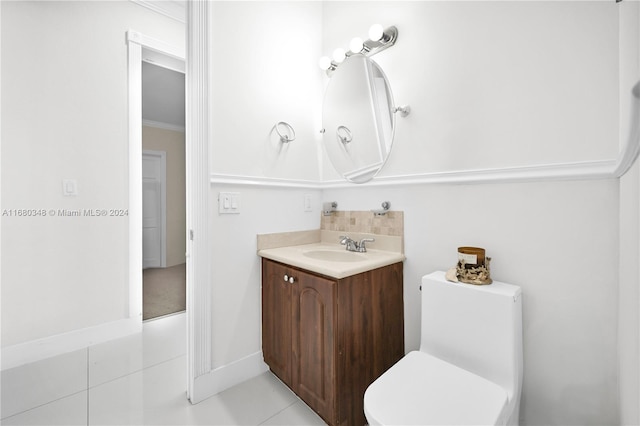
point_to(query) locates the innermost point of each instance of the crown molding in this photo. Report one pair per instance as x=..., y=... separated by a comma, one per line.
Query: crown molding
x=161, y=125
x=175, y=9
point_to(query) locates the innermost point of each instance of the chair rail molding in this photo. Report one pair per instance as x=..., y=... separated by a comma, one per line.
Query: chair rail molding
x=600, y=169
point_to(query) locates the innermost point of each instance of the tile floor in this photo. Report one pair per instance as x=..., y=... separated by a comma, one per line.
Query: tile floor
x=139, y=380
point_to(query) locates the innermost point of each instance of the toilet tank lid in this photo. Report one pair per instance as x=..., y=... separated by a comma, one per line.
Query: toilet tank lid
x=496, y=287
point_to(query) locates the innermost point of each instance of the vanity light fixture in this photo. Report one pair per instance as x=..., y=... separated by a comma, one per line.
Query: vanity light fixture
x=380, y=38
x=339, y=55
x=376, y=32
x=356, y=45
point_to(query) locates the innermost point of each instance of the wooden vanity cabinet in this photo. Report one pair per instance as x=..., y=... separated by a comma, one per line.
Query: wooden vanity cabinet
x=328, y=339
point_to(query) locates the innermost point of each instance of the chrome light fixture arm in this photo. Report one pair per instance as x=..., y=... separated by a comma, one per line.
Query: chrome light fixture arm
x=379, y=39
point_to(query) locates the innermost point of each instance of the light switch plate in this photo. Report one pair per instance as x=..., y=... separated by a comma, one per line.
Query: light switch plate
x=307, y=203
x=229, y=203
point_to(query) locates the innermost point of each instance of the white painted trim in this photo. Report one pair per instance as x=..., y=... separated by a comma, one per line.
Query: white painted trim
x=162, y=156
x=164, y=126
x=171, y=8
x=561, y=171
x=602, y=169
x=135, y=176
x=631, y=148
x=216, y=178
x=229, y=375
x=198, y=135
x=546, y=172
x=39, y=349
x=156, y=45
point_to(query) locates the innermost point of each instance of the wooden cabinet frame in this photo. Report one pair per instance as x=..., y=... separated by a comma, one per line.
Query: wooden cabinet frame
x=328, y=339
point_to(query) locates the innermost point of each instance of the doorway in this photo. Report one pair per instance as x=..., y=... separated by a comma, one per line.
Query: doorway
x=198, y=189
x=163, y=188
x=154, y=207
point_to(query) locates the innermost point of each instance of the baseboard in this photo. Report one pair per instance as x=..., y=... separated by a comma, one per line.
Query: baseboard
x=227, y=376
x=39, y=349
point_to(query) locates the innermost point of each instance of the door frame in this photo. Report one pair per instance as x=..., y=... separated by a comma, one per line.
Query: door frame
x=197, y=133
x=161, y=156
x=139, y=44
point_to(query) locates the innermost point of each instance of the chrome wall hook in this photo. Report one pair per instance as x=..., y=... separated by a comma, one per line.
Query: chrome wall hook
x=289, y=135
x=344, y=134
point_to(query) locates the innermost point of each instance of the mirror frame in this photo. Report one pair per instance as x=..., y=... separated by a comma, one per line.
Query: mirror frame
x=364, y=172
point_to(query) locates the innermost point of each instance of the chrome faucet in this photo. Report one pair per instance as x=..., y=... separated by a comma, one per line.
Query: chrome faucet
x=354, y=245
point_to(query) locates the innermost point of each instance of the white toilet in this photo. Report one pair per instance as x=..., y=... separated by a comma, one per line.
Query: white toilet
x=469, y=366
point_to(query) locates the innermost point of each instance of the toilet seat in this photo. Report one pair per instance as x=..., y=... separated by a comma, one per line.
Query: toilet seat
x=421, y=389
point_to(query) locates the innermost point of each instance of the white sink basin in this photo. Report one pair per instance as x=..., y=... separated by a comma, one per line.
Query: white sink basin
x=332, y=260
x=335, y=255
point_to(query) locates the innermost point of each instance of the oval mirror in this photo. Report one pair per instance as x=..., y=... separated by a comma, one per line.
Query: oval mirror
x=358, y=119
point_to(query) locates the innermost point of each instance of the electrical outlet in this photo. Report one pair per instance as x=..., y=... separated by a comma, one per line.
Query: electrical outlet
x=69, y=187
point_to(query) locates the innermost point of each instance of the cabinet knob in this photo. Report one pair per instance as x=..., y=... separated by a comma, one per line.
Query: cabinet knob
x=286, y=277
x=291, y=280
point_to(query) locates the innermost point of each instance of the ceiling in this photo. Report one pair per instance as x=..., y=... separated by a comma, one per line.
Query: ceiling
x=163, y=96
x=163, y=92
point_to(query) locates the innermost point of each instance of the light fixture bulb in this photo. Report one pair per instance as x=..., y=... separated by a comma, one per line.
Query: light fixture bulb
x=339, y=55
x=376, y=32
x=356, y=45
x=324, y=63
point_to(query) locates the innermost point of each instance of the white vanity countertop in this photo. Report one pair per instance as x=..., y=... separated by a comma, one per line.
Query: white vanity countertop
x=332, y=260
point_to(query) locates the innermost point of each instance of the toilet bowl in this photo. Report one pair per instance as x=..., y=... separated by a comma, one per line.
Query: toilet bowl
x=469, y=366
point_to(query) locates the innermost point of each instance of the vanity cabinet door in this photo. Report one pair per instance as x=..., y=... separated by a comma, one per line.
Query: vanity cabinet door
x=329, y=339
x=314, y=343
x=276, y=319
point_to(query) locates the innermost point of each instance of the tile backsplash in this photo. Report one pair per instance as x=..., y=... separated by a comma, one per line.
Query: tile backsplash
x=391, y=223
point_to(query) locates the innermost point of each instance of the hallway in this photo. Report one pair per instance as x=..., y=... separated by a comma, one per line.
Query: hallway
x=164, y=291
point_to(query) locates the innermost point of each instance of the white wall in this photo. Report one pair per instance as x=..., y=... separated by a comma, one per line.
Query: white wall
x=264, y=71
x=509, y=84
x=64, y=116
x=491, y=85
x=236, y=270
x=629, y=293
x=265, y=58
x=496, y=84
x=629, y=298
x=559, y=242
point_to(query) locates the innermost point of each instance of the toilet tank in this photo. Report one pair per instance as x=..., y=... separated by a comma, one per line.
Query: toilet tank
x=478, y=328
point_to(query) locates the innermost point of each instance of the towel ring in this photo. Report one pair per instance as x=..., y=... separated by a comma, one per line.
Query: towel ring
x=289, y=130
x=344, y=134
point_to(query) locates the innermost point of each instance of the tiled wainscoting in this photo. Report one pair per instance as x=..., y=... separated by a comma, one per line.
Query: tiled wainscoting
x=139, y=380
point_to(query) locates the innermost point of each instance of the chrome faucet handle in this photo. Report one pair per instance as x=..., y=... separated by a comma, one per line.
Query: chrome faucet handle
x=351, y=245
x=361, y=247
